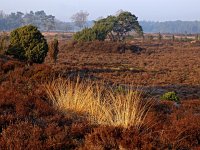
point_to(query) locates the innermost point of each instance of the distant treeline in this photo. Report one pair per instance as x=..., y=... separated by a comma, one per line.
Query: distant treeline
x=40, y=19
x=49, y=23
x=184, y=27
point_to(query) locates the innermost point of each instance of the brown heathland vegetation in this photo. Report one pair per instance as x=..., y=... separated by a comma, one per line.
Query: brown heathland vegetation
x=32, y=117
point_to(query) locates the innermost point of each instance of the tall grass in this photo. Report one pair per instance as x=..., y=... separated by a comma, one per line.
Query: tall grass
x=99, y=104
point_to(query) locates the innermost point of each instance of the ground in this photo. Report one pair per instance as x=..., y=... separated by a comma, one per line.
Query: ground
x=28, y=119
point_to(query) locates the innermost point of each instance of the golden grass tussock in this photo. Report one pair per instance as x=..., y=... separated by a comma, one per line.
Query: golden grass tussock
x=99, y=104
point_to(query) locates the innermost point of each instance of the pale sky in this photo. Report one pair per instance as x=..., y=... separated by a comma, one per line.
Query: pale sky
x=150, y=10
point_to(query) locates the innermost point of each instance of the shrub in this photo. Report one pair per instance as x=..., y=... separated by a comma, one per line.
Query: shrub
x=27, y=43
x=160, y=37
x=53, y=49
x=150, y=37
x=170, y=96
x=173, y=38
x=86, y=34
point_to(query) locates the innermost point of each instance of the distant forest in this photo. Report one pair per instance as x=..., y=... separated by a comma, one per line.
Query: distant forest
x=184, y=27
x=49, y=23
x=39, y=18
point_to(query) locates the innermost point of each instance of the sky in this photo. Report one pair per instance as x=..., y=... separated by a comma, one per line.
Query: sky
x=149, y=10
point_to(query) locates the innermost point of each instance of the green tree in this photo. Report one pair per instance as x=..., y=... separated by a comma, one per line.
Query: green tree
x=28, y=44
x=104, y=27
x=126, y=22
x=29, y=18
x=115, y=27
x=43, y=21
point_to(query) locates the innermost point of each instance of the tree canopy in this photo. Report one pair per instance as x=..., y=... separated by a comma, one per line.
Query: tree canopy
x=113, y=27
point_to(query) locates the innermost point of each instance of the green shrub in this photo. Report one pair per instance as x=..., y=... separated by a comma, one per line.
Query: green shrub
x=171, y=96
x=28, y=44
x=53, y=49
x=86, y=34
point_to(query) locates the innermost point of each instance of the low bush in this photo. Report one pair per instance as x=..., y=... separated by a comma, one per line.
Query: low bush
x=27, y=43
x=171, y=96
x=86, y=34
x=53, y=50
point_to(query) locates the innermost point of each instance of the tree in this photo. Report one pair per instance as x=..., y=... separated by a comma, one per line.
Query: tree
x=29, y=18
x=80, y=18
x=126, y=22
x=49, y=22
x=3, y=21
x=2, y=14
x=28, y=44
x=40, y=19
x=115, y=27
x=14, y=20
x=68, y=27
x=104, y=27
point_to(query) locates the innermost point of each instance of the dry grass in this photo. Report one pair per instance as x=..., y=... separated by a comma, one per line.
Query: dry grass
x=100, y=105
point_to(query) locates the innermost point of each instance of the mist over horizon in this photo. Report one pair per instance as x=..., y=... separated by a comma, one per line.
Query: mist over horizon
x=154, y=10
x=49, y=22
x=96, y=18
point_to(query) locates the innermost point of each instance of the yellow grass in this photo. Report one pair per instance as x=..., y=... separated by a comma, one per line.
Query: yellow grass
x=99, y=104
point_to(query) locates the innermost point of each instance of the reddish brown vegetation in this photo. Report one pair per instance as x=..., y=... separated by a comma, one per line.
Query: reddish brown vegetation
x=28, y=120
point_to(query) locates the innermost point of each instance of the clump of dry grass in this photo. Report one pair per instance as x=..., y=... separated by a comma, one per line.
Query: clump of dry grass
x=99, y=104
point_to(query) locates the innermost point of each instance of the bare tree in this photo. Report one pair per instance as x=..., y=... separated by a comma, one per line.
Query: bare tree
x=2, y=14
x=80, y=18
